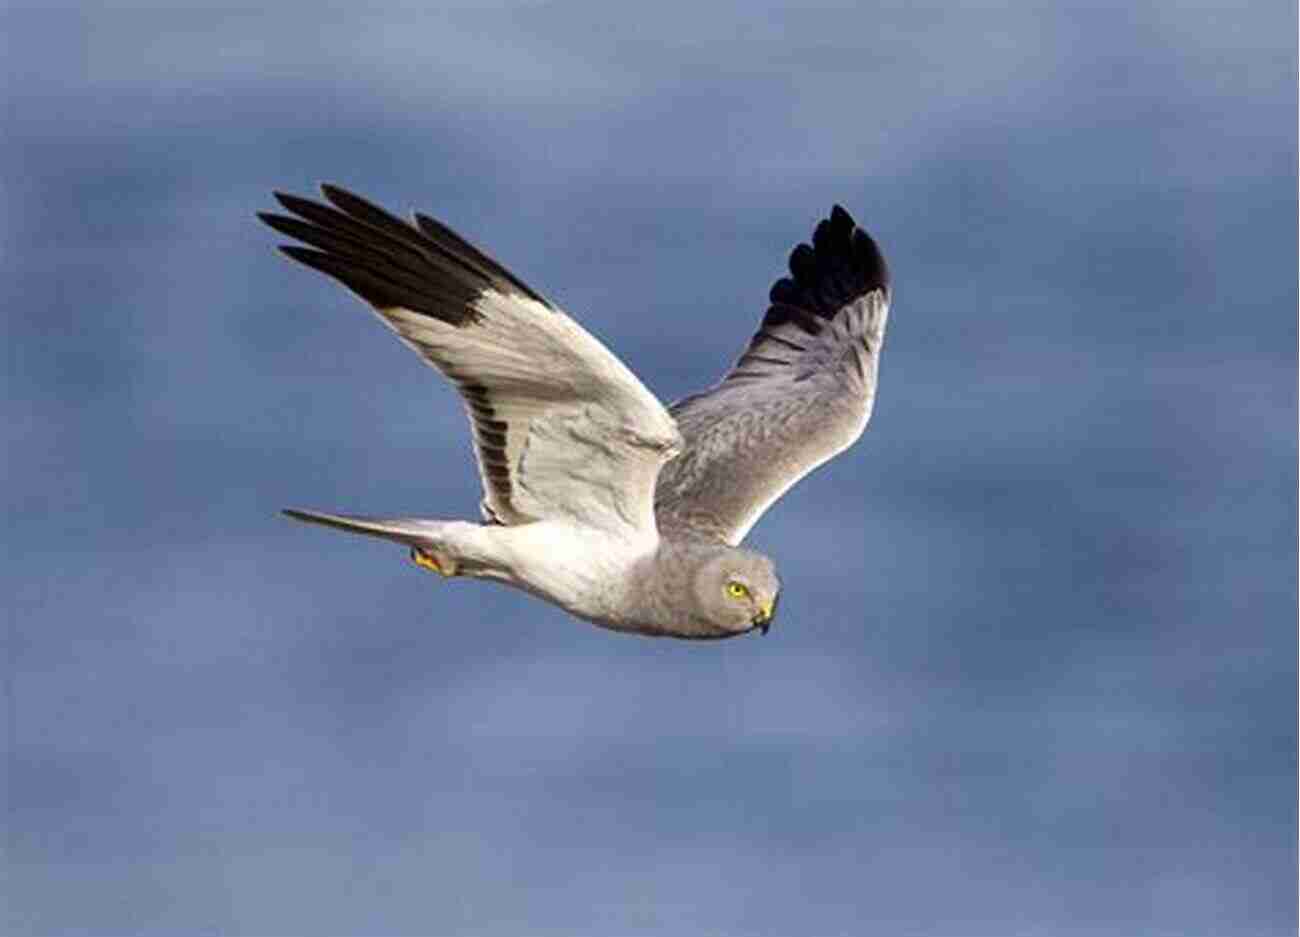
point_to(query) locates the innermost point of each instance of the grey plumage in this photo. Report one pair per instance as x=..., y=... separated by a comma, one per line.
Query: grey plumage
x=801, y=392
x=601, y=500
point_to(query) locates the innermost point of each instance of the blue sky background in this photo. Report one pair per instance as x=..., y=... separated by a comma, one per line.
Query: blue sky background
x=1035, y=668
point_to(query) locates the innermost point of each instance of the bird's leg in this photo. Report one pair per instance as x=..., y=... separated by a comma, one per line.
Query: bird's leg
x=441, y=563
x=459, y=548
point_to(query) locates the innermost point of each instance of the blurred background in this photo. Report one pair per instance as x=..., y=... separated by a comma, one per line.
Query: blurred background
x=1035, y=667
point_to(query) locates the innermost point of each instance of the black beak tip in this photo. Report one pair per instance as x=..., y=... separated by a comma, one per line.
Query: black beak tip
x=764, y=622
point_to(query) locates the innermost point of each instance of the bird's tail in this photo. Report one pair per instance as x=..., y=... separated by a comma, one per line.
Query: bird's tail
x=412, y=531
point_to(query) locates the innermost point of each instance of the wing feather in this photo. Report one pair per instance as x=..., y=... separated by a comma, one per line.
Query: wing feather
x=561, y=427
x=801, y=392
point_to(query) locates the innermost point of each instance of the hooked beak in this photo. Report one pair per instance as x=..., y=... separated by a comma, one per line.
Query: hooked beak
x=766, y=611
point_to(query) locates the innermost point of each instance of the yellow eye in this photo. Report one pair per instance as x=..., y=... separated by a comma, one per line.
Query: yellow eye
x=737, y=590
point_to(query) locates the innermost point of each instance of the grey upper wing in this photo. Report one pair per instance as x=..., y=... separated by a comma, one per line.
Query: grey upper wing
x=561, y=427
x=801, y=392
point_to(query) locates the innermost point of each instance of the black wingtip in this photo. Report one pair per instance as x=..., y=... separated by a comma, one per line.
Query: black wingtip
x=277, y=222
x=870, y=260
x=842, y=263
x=364, y=210
x=304, y=255
x=288, y=201
x=419, y=265
x=839, y=240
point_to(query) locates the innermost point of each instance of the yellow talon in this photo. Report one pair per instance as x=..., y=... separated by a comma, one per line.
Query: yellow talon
x=443, y=566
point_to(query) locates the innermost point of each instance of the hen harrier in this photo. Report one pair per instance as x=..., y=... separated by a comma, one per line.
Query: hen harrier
x=596, y=496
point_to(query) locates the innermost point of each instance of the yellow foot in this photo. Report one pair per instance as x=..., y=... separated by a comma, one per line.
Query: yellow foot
x=441, y=564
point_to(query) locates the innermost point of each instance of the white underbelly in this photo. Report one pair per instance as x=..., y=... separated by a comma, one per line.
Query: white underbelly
x=581, y=569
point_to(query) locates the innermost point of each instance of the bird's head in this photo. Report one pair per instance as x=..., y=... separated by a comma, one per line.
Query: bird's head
x=737, y=590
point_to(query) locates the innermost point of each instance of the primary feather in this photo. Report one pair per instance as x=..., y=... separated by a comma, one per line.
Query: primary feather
x=801, y=392
x=561, y=427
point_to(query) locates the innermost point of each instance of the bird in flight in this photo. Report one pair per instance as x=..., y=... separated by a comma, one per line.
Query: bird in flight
x=596, y=496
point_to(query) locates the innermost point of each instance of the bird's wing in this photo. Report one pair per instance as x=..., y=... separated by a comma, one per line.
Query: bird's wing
x=562, y=429
x=801, y=392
